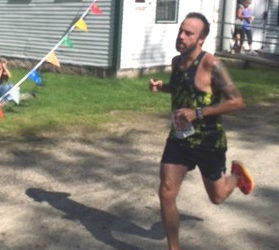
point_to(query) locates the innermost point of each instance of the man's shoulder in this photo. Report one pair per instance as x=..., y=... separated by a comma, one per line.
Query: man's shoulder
x=175, y=59
x=209, y=60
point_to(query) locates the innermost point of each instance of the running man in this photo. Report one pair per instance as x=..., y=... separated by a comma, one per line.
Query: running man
x=201, y=91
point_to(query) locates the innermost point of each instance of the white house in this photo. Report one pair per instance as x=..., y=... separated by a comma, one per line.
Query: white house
x=130, y=36
x=150, y=27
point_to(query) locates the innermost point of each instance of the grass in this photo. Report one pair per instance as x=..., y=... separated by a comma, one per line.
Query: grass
x=73, y=100
x=257, y=86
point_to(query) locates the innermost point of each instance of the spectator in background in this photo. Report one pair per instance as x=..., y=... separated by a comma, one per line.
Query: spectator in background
x=238, y=30
x=247, y=18
x=14, y=94
x=5, y=74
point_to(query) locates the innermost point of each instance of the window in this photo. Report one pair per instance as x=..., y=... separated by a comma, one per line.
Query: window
x=19, y=1
x=167, y=11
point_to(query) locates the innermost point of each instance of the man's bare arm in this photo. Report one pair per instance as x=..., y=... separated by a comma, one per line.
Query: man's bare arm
x=165, y=88
x=223, y=83
x=158, y=86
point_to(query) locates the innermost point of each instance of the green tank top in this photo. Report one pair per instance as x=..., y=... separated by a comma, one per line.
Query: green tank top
x=209, y=133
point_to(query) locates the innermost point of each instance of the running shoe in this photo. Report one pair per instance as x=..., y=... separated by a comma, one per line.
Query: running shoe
x=245, y=181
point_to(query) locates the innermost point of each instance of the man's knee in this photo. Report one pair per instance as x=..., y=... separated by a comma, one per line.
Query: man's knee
x=216, y=199
x=167, y=192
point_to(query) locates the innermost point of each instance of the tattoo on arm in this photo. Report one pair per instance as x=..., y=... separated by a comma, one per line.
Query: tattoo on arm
x=223, y=81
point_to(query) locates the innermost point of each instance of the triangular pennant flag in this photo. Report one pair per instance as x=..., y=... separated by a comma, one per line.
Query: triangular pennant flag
x=52, y=58
x=95, y=9
x=80, y=24
x=34, y=76
x=14, y=95
x=67, y=42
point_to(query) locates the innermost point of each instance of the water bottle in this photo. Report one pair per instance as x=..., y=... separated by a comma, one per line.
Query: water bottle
x=183, y=129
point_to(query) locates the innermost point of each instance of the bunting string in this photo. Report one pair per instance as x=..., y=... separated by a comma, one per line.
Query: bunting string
x=50, y=56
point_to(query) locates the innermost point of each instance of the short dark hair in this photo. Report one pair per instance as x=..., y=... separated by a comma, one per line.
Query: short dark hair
x=206, y=25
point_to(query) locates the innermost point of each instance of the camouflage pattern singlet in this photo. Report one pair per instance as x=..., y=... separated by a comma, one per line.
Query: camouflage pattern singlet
x=209, y=133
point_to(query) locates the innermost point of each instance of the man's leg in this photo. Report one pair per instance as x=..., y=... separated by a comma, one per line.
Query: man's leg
x=242, y=38
x=171, y=178
x=220, y=189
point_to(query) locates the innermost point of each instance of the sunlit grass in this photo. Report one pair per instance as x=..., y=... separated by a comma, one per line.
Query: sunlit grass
x=76, y=100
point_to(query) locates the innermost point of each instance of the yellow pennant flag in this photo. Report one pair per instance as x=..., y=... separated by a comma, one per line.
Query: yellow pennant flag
x=80, y=24
x=52, y=58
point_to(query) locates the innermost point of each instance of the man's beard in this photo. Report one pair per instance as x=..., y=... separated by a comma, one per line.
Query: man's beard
x=186, y=51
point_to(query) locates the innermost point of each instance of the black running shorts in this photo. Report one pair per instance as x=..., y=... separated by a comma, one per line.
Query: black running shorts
x=211, y=163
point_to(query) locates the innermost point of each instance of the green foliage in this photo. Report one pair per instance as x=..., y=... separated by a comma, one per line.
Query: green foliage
x=74, y=100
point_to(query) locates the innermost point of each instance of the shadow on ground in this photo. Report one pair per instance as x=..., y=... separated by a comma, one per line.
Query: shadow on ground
x=99, y=223
x=265, y=214
x=115, y=162
x=258, y=125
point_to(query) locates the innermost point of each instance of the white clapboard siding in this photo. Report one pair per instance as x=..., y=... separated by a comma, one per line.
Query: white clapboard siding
x=30, y=28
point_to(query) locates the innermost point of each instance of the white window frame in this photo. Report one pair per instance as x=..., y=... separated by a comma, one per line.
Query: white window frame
x=175, y=20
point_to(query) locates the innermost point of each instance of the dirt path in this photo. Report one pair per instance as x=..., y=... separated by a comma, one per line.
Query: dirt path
x=92, y=192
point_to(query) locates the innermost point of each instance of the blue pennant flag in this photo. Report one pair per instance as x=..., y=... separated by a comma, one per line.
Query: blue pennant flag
x=34, y=76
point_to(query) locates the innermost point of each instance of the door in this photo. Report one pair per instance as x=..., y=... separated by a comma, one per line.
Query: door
x=259, y=11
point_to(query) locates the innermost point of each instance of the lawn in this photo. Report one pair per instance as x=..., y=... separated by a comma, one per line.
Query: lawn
x=74, y=100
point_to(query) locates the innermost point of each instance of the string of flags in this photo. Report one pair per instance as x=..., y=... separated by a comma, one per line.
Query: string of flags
x=51, y=57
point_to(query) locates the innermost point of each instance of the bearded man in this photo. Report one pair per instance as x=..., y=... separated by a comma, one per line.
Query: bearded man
x=201, y=91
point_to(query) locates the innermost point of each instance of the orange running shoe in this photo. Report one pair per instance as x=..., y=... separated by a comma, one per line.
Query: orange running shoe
x=245, y=181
